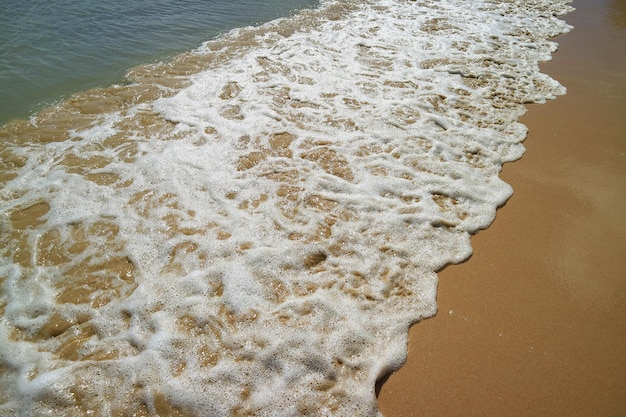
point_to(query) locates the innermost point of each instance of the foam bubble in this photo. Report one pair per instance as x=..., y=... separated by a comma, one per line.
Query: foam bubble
x=251, y=228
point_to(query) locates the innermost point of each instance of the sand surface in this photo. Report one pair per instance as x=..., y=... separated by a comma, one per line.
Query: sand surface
x=534, y=324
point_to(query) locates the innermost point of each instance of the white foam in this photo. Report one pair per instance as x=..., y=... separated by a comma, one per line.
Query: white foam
x=281, y=220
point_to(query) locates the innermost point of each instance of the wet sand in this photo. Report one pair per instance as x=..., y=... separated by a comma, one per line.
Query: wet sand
x=534, y=324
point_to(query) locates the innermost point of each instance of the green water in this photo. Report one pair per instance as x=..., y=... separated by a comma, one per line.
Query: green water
x=49, y=50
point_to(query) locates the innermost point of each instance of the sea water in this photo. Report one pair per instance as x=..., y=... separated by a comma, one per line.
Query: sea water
x=251, y=227
x=50, y=49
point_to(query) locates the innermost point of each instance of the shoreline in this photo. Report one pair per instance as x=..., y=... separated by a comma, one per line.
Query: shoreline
x=532, y=323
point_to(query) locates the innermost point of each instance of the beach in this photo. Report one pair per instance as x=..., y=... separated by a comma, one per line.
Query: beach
x=532, y=324
x=251, y=227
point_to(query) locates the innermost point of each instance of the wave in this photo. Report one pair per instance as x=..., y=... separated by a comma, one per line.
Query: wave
x=251, y=228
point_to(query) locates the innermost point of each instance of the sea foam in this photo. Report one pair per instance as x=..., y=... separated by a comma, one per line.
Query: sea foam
x=251, y=228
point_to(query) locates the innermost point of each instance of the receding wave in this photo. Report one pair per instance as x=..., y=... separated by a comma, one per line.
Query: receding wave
x=251, y=228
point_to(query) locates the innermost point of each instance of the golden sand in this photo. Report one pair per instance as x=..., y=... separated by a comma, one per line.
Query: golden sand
x=534, y=323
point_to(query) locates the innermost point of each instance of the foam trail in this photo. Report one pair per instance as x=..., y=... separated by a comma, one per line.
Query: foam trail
x=251, y=228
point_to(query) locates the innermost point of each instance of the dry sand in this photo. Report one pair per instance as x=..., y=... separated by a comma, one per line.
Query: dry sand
x=534, y=324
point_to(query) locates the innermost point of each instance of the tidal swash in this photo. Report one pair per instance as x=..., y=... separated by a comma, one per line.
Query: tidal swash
x=251, y=227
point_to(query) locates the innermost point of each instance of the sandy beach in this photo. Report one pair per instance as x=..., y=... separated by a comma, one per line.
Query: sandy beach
x=533, y=324
x=250, y=229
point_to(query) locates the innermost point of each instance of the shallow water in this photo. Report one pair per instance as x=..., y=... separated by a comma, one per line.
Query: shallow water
x=49, y=50
x=250, y=228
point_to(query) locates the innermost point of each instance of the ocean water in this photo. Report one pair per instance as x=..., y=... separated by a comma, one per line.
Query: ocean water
x=50, y=49
x=250, y=228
